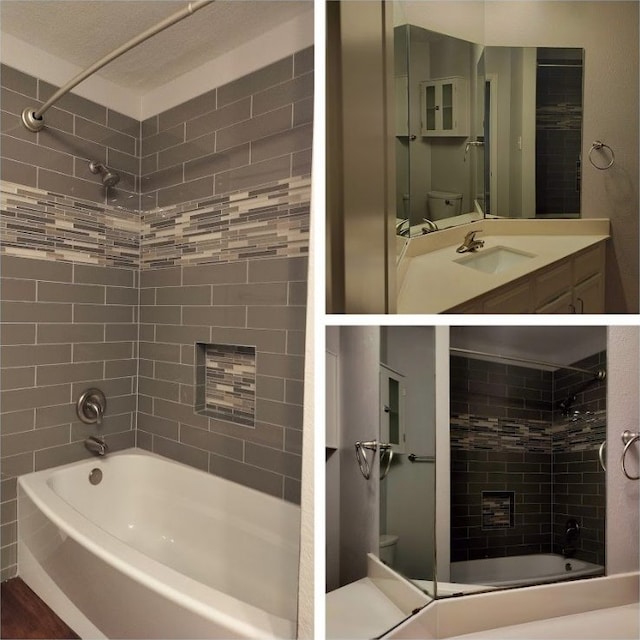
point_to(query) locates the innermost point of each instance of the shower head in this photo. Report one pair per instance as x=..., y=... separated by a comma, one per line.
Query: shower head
x=109, y=178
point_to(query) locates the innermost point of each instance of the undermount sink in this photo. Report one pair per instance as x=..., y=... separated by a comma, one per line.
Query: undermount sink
x=495, y=259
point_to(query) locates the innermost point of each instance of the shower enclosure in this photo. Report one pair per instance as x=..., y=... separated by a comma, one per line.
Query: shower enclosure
x=526, y=477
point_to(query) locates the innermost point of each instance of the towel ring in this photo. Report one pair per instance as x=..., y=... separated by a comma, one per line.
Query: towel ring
x=628, y=438
x=598, y=145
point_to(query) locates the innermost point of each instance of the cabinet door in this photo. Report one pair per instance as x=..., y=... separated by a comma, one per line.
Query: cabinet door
x=562, y=304
x=392, y=396
x=431, y=108
x=447, y=109
x=514, y=300
x=589, y=295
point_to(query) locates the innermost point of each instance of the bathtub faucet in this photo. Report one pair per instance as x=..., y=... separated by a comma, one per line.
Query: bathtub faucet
x=96, y=445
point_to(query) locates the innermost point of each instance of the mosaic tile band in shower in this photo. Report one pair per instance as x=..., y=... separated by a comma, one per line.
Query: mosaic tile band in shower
x=269, y=221
x=45, y=225
x=470, y=433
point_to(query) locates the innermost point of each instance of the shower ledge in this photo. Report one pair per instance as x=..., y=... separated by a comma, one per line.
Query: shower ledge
x=367, y=607
x=595, y=609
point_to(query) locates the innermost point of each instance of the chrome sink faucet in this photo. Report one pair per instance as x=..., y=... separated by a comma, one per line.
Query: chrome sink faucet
x=96, y=445
x=470, y=243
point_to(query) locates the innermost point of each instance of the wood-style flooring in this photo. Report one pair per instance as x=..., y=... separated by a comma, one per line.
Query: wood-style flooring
x=24, y=615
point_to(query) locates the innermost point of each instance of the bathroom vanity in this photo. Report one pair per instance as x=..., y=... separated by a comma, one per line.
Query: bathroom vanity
x=524, y=266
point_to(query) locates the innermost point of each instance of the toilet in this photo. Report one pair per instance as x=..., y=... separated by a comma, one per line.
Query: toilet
x=443, y=204
x=388, y=543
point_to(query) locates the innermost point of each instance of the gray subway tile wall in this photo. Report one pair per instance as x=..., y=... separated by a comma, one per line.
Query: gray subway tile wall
x=105, y=288
x=507, y=434
x=47, y=360
x=78, y=130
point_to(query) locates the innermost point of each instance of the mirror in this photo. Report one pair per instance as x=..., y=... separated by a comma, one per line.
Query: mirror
x=533, y=126
x=434, y=88
x=484, y=131
x=527, y=418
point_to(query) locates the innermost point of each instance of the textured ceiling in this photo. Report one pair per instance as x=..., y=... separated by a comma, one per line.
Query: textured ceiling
x=82, y=31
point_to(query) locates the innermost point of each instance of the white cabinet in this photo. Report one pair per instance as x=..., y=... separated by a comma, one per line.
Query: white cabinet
x=572, y=285
x=332, y=421
x=575, y=285
x=444, y=107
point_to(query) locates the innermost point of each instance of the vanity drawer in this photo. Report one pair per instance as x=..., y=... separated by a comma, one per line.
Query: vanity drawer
x=588, y=264
x=553, y=283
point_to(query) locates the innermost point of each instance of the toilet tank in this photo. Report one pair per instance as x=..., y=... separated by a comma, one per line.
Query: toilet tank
x=443, y=204
x=387, y=550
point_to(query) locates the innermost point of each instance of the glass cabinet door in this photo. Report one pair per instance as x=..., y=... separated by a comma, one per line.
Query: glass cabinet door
x=447, y=106
x=392, y=396
x=430, y=108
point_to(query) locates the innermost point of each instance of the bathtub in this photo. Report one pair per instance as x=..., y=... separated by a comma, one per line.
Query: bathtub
x=520, y=571
x=158, y=549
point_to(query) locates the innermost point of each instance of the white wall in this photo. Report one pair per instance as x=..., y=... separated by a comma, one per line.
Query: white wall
x=623, y=495
x=332, y=492
x=608, y=32
x=359, y=498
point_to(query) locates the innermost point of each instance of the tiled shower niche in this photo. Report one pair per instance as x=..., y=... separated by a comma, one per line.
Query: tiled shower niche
x=226, y=382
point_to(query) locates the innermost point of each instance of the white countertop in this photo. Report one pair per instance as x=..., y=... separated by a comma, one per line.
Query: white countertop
x=615, y=623
x=430, y=281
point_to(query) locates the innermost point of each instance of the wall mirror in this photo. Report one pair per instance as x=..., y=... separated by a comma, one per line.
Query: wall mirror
x=520, y=494
x=484, y=131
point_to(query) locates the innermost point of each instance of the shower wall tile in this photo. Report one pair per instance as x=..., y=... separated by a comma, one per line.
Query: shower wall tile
x=77, y=130
x=47, y=360
x=168, y=422
x=225, y=189
x=220, y=134
x=50, y=226
x=550, y=464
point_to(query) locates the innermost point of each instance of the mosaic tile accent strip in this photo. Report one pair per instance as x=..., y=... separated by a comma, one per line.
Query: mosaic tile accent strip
x=473, y=433
x=270, y=221
x=45, y=225
x=230, y=383
x=584, y=431
x=498, y=509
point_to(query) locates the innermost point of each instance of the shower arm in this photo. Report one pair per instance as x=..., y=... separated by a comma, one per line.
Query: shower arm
x=32, y=118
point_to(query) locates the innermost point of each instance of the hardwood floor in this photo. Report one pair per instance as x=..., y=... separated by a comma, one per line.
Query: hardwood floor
x=24, y=615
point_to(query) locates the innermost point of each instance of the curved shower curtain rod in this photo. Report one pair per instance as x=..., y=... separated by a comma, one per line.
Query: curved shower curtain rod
x=32, y=118
x=598, y=374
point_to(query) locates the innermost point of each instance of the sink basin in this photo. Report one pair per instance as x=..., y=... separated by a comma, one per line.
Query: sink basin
x=494, y=260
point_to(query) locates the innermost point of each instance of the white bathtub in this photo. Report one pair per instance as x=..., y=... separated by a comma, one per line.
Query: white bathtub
x=158, y=550
x=517, y=571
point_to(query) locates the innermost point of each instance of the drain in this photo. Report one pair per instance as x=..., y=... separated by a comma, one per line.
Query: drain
x=95, y=477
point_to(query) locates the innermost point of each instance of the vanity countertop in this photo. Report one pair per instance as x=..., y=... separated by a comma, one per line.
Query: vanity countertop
x=431, y=281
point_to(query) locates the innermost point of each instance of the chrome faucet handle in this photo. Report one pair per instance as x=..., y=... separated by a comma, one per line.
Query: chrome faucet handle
x=471, y=235
x=91, y=406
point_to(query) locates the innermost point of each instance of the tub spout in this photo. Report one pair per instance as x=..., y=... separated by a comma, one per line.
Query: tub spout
x=96, y=445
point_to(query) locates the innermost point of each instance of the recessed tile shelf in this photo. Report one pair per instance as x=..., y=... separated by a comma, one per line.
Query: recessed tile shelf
x=226, y=382
x=497, y=509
